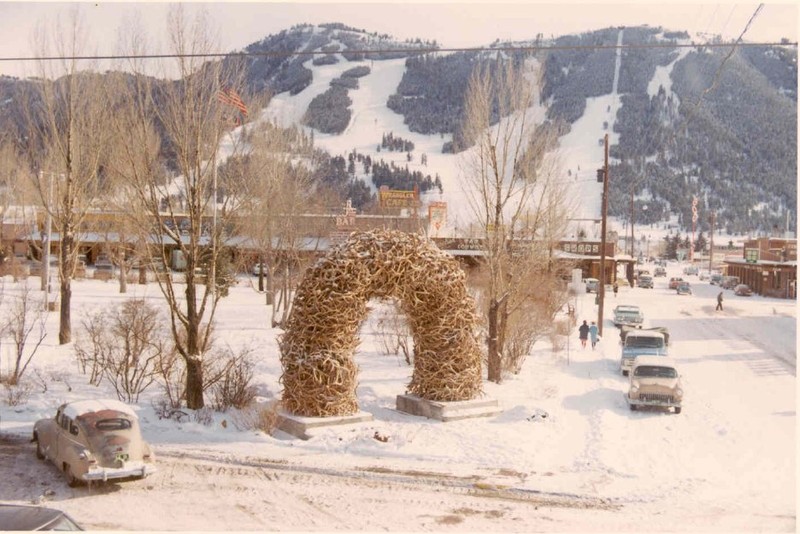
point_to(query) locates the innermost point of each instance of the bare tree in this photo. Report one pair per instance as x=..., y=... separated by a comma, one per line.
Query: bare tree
x=182, y=210
x=24, y=317
x=277, y=192
x=519, y=209
x=68, y=124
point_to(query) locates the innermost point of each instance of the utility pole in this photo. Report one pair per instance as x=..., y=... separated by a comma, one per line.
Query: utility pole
x=601, y=294
x=632, y=216
x=711, y=245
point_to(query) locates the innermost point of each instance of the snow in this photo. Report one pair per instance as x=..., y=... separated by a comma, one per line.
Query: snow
x=564, y=454
x=726, y=463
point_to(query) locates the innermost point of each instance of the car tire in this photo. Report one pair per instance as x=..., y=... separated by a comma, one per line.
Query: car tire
x=633, y=407
x=39, y=453
x=72, y=481
x=677, y=410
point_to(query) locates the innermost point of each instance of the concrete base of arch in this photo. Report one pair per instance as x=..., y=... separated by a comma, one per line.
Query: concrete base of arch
x=447, y=410
x=299, y=426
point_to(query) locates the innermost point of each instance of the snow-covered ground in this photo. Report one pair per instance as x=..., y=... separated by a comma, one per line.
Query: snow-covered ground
x=726, y=463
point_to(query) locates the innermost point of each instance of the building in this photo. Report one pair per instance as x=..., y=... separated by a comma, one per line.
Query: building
x=768, y=265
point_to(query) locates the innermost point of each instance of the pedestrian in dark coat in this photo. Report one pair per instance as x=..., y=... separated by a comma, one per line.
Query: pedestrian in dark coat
x=583, y=333
x=719, y=301
x=616, y=289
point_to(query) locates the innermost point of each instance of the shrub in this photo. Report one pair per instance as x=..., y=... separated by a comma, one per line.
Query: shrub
x=257, y=417
x=17, y=394
x=234, y=388
x=123, y=345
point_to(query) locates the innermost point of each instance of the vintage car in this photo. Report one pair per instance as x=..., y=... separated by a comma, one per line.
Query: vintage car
x=729, y=282
x=628, y=315
x=659, y=271
x=93, y=440
x=645, y=281
x=655, y=381
x=743, y=290
x=716, y=278
x=637, y=343
x=25, y=517
x=592, y=285
x=674, y=281
x=684, y=288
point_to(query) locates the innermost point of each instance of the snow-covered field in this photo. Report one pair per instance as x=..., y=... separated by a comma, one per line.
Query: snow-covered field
x=726, y=463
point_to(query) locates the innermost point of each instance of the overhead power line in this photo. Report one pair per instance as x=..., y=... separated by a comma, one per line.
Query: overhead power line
x=370, y=51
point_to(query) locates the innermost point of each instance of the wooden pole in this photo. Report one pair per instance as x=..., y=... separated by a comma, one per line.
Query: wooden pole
x=601, y=292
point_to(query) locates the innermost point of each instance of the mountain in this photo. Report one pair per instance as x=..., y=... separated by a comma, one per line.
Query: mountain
x=684, y=121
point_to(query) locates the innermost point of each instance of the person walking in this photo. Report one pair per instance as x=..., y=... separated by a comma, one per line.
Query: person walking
x=583, y=333
x=593, y=334
x=719, y=301
x=616, y=288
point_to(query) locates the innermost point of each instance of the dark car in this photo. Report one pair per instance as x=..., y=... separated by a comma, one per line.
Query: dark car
x=22, y=517
x=743, y=290
x=684, y=288
x=645, y=281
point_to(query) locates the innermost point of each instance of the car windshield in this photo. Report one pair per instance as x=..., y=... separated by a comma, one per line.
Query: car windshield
x=655, y=371
x=641, y=342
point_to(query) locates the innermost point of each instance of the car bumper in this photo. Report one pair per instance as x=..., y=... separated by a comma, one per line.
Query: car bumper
x=111, y=473
x=639, y=402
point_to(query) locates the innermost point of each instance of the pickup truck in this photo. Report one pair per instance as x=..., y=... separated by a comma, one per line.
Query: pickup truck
x=655, y=381
x=635, y=343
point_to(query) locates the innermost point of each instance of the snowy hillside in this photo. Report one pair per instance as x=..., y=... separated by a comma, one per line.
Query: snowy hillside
x=580, y=151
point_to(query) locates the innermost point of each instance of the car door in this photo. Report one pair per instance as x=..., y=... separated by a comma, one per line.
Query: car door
x=66, y=442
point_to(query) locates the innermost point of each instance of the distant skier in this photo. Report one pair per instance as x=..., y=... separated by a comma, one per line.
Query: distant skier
x=593, y=334
x=583, y=333
x=719, y=301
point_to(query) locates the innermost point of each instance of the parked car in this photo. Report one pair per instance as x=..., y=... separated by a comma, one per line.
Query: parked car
x=592, y=285
x=716, y=278
x=729, y=282
x=690, y=270
x=659, y=271
x=23, y=517
x=628, y=315
x=655, y=381
x=704, y=275
x=93, y=440
x=645, y=281
x=684, y=288
x=104, y=271
x=260, y=267
x=674, y=282
x=743, y=290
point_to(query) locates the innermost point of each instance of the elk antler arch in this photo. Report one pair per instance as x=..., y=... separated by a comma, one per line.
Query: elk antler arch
x=319, y=374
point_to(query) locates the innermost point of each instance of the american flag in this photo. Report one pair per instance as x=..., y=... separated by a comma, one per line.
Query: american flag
x=229, y=96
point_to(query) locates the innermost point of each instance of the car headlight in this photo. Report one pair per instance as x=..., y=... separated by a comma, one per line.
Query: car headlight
x=679, y=393
x=634, y=388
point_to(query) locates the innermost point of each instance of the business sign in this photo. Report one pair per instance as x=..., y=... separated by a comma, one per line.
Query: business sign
x=393, y=198
x=437, y=215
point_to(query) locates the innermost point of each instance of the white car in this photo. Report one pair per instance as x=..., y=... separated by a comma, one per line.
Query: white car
x=92, y=440
x=258, y=267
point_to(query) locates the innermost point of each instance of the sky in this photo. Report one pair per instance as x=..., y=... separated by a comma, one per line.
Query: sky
x=462, y=24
